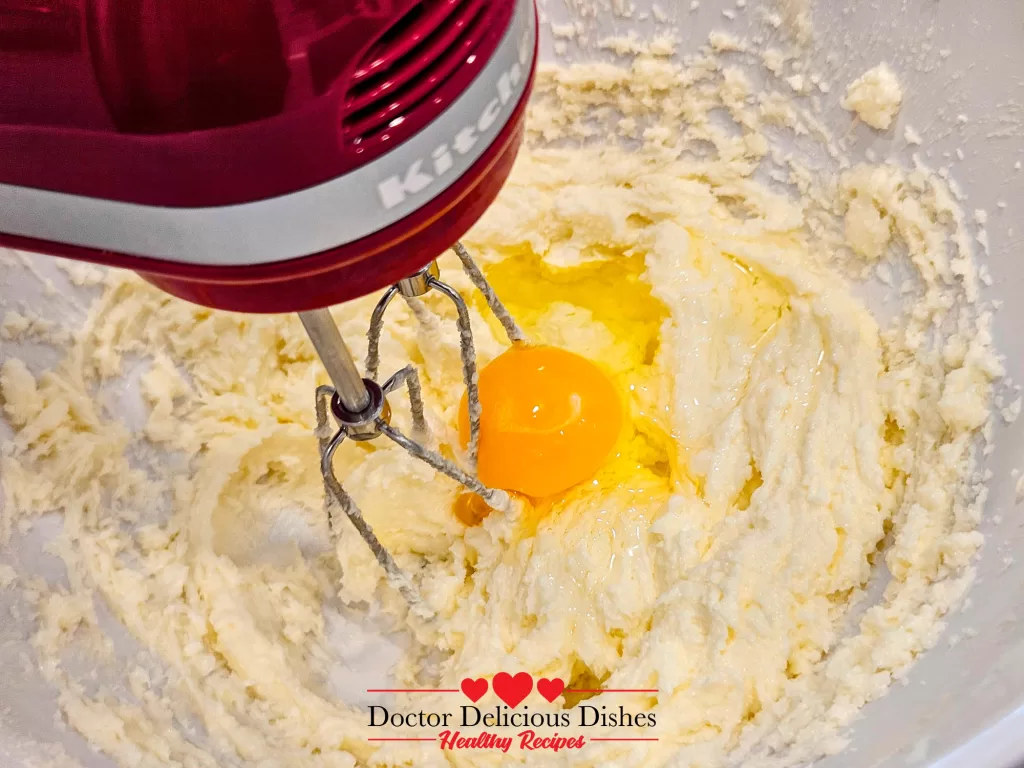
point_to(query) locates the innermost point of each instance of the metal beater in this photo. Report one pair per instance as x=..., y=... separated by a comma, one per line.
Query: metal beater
x=361, y=411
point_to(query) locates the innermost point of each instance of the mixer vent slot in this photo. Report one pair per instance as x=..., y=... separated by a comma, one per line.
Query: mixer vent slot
x=406, y=74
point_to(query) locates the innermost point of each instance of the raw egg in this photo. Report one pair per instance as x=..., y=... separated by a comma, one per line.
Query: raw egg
x=550, y=419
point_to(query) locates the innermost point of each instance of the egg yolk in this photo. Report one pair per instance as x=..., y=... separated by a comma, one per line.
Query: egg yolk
x=549, y=420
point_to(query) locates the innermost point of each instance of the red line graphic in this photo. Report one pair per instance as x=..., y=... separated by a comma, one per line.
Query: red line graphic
x=401, y=739
x=623, y=739
x=567, y=690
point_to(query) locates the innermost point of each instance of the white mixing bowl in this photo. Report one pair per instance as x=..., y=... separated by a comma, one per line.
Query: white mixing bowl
x=962, y=69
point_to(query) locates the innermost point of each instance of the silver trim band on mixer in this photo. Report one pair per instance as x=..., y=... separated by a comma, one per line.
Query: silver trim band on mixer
x=309, y=221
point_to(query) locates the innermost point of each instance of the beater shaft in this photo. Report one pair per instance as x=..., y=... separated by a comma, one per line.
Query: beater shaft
x=333, y=351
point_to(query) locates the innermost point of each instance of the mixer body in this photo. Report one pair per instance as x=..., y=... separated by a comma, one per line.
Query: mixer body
x=258, y=155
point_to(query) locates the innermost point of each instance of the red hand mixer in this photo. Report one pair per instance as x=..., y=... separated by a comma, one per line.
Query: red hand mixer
x=270, y=156
x=258, y=155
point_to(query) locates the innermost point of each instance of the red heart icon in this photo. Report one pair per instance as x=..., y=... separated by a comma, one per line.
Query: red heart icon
x=512, y=690
x=550, y=689
x=474, y=689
